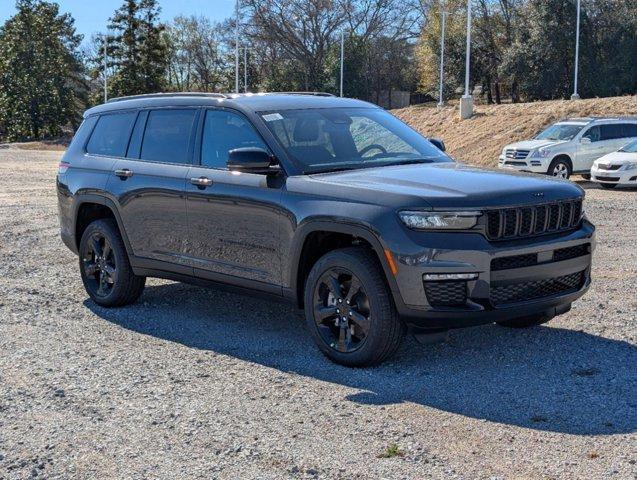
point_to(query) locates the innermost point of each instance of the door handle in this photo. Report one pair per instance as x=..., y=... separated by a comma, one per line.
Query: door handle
x=124, y=173
x=201, y=182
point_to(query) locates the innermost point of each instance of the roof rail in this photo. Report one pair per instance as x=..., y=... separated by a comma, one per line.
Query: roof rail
x=316, y=94
x=166, y=95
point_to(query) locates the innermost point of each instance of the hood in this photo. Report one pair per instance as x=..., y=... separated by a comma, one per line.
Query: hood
x=532, y=144
x=617, y=158
x=448, y=185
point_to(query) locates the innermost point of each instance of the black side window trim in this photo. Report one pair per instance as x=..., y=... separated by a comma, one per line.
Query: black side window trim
x=200, y=132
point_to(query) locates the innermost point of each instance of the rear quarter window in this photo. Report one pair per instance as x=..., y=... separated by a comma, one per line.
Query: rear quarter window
x=111, y=134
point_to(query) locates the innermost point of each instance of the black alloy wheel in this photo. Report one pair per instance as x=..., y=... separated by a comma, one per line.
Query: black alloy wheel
x=349, y=308
x=341, y=310
x=100, y=268
x=105, y=268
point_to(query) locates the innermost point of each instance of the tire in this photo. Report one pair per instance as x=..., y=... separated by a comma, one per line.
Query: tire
x=608, y=185
x=104, y=266
x=560, y=168
x=346, y=339
x=525, y=322
x=586, y=176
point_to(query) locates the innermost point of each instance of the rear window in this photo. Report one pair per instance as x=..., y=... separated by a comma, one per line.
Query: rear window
x=110, y=135
x=167, y=135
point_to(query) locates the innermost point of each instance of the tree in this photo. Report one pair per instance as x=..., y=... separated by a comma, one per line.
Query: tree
x=137, y=50
x=41, y=83
x=196, y=58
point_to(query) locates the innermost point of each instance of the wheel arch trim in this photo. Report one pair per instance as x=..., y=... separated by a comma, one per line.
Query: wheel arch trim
x=85, y=198
x=344, y=227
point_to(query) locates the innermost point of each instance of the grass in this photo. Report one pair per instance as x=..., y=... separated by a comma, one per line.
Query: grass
x=391, y=451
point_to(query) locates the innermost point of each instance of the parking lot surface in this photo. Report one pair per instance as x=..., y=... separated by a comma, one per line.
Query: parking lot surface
x=200, y=383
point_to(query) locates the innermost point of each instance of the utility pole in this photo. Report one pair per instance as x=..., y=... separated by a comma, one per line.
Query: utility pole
x=236, y=48
x=245, y=69
x=443, y=14
x=342, y=58
x=105, y=42
x=575, y=95
x=466, y=102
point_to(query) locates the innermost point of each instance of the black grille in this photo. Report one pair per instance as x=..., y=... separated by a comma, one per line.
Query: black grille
x=515, y=261
x=519, y=292
x=603, y=166
x=446, y=294
x=508, y=223
x=571, y=252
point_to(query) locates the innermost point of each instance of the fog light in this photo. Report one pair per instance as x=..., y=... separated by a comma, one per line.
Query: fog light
x=433, y=277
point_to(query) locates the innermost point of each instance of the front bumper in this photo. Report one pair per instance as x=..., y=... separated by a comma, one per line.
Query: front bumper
x=534, y=165
x=616, y=177
x=484, y=302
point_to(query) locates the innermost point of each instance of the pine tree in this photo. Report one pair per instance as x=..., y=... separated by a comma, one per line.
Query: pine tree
x=41, y=83
x=137, y=50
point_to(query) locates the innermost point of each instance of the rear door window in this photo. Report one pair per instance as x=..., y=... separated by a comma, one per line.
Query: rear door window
x=611, y=131
x=167, y=135
x=629, y=130
x=110, y=135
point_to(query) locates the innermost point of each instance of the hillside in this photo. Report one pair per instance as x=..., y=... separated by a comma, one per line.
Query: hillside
x=480, y=140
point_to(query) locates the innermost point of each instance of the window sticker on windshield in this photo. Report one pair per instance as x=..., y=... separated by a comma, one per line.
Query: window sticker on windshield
x=270, y=117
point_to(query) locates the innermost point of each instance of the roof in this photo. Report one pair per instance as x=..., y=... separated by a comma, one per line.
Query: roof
x=256, y=102
x=587, y=120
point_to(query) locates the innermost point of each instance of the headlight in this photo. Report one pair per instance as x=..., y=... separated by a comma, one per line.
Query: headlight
x=631, y=165
x=439, y=220
x=540, y=153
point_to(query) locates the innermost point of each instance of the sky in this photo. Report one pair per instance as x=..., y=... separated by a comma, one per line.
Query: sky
x=91, y=16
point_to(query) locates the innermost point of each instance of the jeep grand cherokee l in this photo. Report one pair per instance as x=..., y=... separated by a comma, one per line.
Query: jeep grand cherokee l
x=331, y=203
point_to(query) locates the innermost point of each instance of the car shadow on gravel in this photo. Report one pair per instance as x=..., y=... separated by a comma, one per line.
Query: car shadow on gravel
x=544, y=378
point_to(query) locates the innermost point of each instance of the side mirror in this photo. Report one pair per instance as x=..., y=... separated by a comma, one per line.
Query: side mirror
x=438, y=143
x=585, y=140
x=251, y=160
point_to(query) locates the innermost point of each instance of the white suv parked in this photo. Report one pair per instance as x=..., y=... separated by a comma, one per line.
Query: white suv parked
x=570, y=146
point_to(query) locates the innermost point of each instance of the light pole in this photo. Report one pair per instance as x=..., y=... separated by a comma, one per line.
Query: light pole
x=575, y=95
x=245, y=69
x=441, y=102
x=466, y=102
x=236, y=48
x=105, y=42
x=342, y=58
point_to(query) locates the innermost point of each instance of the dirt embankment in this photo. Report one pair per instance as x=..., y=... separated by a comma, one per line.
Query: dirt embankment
x=479, y=140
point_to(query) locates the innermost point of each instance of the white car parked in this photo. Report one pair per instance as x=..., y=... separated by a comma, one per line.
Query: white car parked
x=570, y=146
x=617, y=168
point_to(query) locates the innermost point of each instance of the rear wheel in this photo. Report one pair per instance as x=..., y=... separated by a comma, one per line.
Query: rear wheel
x=106, y=272
x=560, y=168
x=349, y=310
x=525, y=322
x=608, y=185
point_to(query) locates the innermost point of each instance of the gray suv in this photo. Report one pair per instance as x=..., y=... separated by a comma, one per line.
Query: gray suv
x=331, y=203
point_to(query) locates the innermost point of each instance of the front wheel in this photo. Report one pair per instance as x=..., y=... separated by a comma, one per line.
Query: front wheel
x=349, y=309
x=560, y=168
x=106, y=272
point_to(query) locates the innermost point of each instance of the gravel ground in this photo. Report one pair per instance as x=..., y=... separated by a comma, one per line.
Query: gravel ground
x=200, y=383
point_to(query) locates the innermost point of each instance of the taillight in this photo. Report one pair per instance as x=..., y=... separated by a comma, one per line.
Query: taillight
x=63, y=167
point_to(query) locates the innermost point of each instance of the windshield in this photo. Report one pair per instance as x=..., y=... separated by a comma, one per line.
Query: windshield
x=630, y=148
x=559, y=132
x=329, y=139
